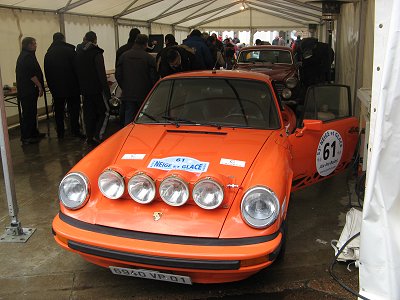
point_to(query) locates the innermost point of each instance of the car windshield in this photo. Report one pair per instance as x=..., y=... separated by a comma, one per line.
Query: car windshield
x=266, y=56
x=219, y=102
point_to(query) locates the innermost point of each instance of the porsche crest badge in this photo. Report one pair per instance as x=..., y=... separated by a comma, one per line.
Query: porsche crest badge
x=157, y=215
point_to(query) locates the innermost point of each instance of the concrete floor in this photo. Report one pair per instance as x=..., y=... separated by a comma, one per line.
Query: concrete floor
x=40, y=269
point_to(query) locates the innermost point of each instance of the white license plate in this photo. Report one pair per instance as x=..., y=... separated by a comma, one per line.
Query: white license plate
x=148, y=274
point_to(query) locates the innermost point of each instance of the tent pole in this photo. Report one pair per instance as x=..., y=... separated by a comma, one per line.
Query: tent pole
x=62, y=23
x=14, y=232
x=116, y=31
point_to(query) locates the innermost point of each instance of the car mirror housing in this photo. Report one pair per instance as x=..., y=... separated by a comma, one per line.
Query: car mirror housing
x=312, y=125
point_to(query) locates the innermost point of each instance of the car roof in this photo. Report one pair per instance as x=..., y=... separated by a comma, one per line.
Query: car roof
x=221, y=74
x=267, y=47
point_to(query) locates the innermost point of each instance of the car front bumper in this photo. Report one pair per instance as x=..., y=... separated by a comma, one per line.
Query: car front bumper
x=204, y=260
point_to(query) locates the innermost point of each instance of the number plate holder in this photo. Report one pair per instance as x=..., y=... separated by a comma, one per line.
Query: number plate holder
x=149, y=274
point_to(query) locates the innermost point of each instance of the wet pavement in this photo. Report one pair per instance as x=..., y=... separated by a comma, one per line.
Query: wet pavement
x=40, y=269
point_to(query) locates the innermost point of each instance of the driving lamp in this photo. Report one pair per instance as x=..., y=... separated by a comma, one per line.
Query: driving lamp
x=174, y=191
x=291, y=82
x=111, y=184
x=141, y=188
x=114, y=101
x=286, y=93
x=73, y=191
x=260, y=207
x=208, y=194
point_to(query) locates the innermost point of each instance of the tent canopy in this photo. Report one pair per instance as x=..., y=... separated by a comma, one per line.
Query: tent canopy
x=186, y=13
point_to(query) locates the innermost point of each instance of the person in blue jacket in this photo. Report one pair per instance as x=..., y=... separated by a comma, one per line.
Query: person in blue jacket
x=203, y=56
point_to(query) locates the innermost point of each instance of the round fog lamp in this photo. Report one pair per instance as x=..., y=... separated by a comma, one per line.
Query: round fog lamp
x=291, y=82
x=286, y=93
x=141, y=188
x=208, y=194
x=174, y=191
x=111, y=184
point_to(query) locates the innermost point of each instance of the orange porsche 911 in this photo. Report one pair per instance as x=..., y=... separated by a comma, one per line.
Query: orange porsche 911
x=197, y=188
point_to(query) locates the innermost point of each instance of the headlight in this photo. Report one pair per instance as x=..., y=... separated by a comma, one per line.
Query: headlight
x=174, y=191
x=141, y=188
x=286, y=93
x=291, y=82
x=111, y=184
x=208, y=194
x=114, y=101
x=260, y=207
x=74, y=190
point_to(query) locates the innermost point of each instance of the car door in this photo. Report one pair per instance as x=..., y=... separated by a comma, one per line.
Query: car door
x=325, y=142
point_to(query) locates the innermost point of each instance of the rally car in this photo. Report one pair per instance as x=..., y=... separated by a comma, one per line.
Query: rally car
x=279, y=63
x=197, y=188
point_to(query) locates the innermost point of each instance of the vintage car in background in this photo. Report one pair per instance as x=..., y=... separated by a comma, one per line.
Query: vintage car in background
x=279, y=63
x=198, y=187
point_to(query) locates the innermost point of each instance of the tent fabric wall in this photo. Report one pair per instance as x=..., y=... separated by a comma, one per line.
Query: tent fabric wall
x=380, y=237
x=346, y=45
x=180, y=35
x=368, y=49
x=40, y=25
x=161, y=29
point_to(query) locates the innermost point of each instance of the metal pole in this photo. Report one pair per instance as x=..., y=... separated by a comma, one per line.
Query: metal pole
x=14, y=232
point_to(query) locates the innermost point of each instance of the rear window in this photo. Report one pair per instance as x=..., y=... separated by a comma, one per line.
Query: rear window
x=266, y=56
x=211, y=101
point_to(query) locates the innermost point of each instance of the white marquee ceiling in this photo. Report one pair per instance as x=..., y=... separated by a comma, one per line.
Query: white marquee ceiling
x=187, y=13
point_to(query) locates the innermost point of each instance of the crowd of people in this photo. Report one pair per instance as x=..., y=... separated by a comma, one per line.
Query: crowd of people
x=72, y=72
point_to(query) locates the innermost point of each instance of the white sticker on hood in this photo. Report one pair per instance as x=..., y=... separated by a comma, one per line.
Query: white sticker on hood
x=232, y=162
x=182, y=163
x=133, y=156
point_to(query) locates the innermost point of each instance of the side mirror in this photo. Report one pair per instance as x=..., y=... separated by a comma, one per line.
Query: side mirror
x=311, y=125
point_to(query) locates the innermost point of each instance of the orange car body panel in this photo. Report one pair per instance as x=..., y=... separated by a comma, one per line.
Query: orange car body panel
x=268, y=160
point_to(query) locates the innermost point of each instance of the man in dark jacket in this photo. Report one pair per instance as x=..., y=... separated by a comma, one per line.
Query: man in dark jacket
x=128, y=46
x=203, y=55
x=94, y=88
x=136, y=74
x=60, y=71
x=30, y=86
x=175, y=59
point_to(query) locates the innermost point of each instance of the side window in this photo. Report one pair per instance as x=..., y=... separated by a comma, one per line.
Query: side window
x=327, y=103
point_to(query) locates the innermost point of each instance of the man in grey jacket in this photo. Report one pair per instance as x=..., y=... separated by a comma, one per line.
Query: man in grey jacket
x=136, y=74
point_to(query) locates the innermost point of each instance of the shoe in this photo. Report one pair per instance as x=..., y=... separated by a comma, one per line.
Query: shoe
x=28, y=141
x=92, y=142
x=79, y=135
x=60, y=135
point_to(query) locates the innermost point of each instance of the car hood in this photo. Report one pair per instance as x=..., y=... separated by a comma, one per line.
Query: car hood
x=275, y=71
x=158, y=150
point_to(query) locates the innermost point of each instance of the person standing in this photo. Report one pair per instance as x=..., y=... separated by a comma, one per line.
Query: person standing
x=133, y=33
x=94, y=88
x=203, y=55
x=136, y=74
x=30, y=86
x=175, y=59
x=62, y=80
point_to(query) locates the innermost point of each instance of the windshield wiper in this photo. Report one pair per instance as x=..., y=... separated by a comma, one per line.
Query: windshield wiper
x=212, y=124
x=150, y=116
x=177, y=121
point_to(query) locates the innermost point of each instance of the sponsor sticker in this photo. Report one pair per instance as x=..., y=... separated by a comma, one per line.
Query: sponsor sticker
x=179, y=163
x=133, y=156
x=329, y=152
x=232, y=162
